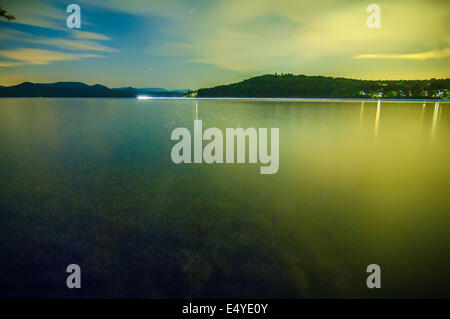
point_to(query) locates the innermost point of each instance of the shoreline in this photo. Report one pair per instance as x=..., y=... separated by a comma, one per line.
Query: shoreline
x=300, y=99
x=261, y=99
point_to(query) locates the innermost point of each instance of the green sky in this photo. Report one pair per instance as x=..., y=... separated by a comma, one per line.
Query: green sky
x=192, y=44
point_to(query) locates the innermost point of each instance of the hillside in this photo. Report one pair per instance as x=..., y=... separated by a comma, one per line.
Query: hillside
x=303, y=86
x=78, y=89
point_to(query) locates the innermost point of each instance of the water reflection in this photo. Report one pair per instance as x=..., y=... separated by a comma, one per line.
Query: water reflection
x=435, y=119
x=361, y=115
x=92, y=182
x=196, y=110
x=422, y=114
x=377, y=120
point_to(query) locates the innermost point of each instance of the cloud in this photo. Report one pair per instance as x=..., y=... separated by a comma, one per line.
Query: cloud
x=83, y=47
x=37, y=56
x=89, y=35
x=9, y=34
x=265, y=35
x=435, y=54
x=69, y=44
x=37, y=13
x=247, y=37
x=9, y=64
x=85, y=41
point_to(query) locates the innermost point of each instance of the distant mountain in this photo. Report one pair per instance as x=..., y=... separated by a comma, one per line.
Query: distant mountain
x=145, y=89
x=158, y=90
x=78, y=89
x=303, y=86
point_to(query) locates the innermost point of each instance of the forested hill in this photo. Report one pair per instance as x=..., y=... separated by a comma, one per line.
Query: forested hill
x=290, y=86
x=78, y=89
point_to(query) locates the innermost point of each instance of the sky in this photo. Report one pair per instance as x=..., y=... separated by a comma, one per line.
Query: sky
x=189, y=44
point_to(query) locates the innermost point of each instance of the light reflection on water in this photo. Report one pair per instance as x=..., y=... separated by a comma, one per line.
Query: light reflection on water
x=91, y=181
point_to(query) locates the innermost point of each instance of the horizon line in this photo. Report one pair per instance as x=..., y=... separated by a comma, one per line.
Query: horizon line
x=238, y=81
x=293, y=99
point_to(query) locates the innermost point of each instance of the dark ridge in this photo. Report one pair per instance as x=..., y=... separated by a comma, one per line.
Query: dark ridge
x=78, y=89
x=303, y=86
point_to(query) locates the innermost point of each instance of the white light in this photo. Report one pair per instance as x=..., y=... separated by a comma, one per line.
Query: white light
x=144, y=97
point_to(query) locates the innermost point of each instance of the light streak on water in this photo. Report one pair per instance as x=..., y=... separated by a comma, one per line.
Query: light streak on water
x=377, y=120
x=435, y=121
x=361, y=115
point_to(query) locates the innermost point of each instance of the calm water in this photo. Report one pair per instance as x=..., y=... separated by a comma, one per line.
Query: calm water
x=91, y=182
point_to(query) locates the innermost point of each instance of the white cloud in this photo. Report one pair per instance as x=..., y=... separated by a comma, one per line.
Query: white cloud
x=70, y=44
x=435, y=54
x=265, y=35
x=89, y=35
x=37, y=56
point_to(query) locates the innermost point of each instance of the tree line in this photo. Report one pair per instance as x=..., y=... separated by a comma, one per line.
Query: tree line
x=303, y=86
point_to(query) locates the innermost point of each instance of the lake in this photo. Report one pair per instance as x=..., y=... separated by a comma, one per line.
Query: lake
x=91, y=182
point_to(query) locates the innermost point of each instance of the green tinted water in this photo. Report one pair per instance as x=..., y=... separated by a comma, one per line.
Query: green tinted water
x=91, y=182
